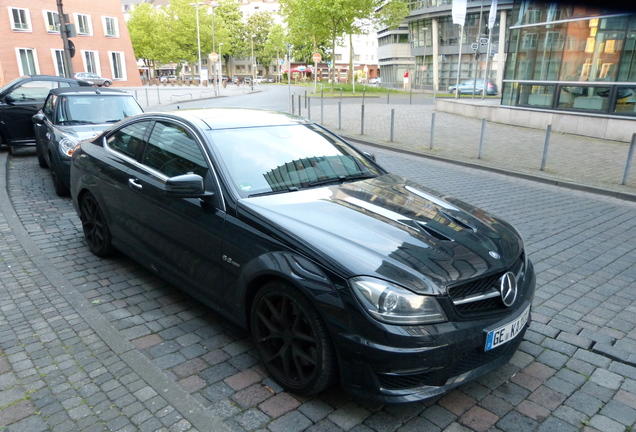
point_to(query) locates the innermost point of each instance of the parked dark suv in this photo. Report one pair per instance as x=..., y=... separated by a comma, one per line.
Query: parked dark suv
x=20, y=100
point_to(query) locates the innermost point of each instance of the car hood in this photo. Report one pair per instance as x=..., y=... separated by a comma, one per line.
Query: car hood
x=83, y=132
x=391, y=228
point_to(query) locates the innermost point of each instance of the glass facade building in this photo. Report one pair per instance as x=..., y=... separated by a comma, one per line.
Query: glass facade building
x=574, y=58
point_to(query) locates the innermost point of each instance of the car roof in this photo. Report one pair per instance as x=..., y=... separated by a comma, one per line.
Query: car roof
x=87, y=90
x=234, y=118
x=50, y=78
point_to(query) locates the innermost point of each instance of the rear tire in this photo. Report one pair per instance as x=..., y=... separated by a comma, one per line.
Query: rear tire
x=96, y=230
x=292, y=340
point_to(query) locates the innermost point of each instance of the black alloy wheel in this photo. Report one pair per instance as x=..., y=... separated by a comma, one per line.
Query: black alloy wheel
x=292, y=340
x=96, y=231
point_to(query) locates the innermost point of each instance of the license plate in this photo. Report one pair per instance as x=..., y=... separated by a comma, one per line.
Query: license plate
x=503, y=334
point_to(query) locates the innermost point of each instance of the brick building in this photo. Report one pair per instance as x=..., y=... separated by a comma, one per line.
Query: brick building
x=30, y=41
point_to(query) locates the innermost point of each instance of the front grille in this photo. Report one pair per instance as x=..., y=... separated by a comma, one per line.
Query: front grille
x=479, y=296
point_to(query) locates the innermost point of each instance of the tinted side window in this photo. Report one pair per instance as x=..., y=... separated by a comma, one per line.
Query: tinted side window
x=129, y=140
x=172, y=151
x=33, y=91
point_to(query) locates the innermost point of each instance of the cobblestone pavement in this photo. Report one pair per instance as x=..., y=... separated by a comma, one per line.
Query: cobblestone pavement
x=94, y=344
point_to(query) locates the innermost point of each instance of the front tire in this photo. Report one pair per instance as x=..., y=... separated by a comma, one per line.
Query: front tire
x=41, y=160
x=60, y=188
x=96, y=231
x=292, y=340
x=106, y=84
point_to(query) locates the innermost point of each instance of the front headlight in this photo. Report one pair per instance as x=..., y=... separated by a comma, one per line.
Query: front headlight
x=393, y=304
x=67, y=145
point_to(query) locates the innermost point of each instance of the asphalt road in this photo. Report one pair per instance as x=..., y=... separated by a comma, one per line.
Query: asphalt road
x=192, y=370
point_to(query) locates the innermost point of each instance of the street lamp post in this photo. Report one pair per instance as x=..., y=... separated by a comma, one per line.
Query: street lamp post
x=253, y=61
x=198, y=36
x=214, y=76
x=221, y=65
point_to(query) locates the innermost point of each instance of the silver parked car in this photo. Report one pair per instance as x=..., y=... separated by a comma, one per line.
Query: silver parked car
x=94, y=79
x=467, y=87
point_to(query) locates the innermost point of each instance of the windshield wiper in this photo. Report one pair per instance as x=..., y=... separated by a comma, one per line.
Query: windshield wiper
x=76, y=122
x=274, y=192
x=340, y=179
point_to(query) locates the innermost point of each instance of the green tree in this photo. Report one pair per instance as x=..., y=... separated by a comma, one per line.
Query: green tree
x=257, y=30
x=322, y=20
x=149, y=42
x=275, y=46
x=181, y=28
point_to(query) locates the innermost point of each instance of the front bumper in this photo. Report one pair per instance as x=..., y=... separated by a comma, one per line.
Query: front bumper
x=419, y=362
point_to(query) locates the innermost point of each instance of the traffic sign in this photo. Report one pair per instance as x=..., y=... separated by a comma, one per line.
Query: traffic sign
x=474, y=46
x=317, y=58
x=214, y=56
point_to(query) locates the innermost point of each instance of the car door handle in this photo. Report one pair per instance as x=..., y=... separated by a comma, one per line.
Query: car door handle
x=134, y=184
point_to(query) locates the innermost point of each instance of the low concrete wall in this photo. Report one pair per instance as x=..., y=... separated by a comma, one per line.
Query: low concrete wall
x=615, y=129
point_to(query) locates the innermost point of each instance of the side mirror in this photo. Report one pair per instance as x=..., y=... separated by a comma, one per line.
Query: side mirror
x=9, y=99
x=186, y=186
x=369, y=155
x=38, y=118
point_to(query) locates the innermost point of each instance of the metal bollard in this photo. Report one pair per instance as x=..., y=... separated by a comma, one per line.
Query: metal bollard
x=339, y=115
x=544, y=158
x=364, y=89
x=292, y=101
x=309, y=108
x=158, y=96
x=430, y=145
x=630, y=154
x=481, y=138
x=322, y=110
x=299, y=104
x=147, y=103
x=305, y=98
x=392, y=122
x=362, y=120
x=388, y=92
x=411, y=97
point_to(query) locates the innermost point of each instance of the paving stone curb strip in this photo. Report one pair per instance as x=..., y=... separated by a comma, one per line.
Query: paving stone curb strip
x=88, y=344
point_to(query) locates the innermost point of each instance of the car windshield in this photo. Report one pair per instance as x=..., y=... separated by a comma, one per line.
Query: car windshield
x=274, y=159
x=96, y=109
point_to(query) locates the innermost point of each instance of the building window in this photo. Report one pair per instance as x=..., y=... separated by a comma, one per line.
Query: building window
x=58, y=59
x=83, y=25
x=529, y=41
x=52, y=21
x=110, y=27
x=90, y=62
x=117, y=64
x=26, y=61
x=20, y=19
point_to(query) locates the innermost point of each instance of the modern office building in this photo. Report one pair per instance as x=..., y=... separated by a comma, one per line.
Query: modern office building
x=429, y=48
x=564, y=57
x=30, y=41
